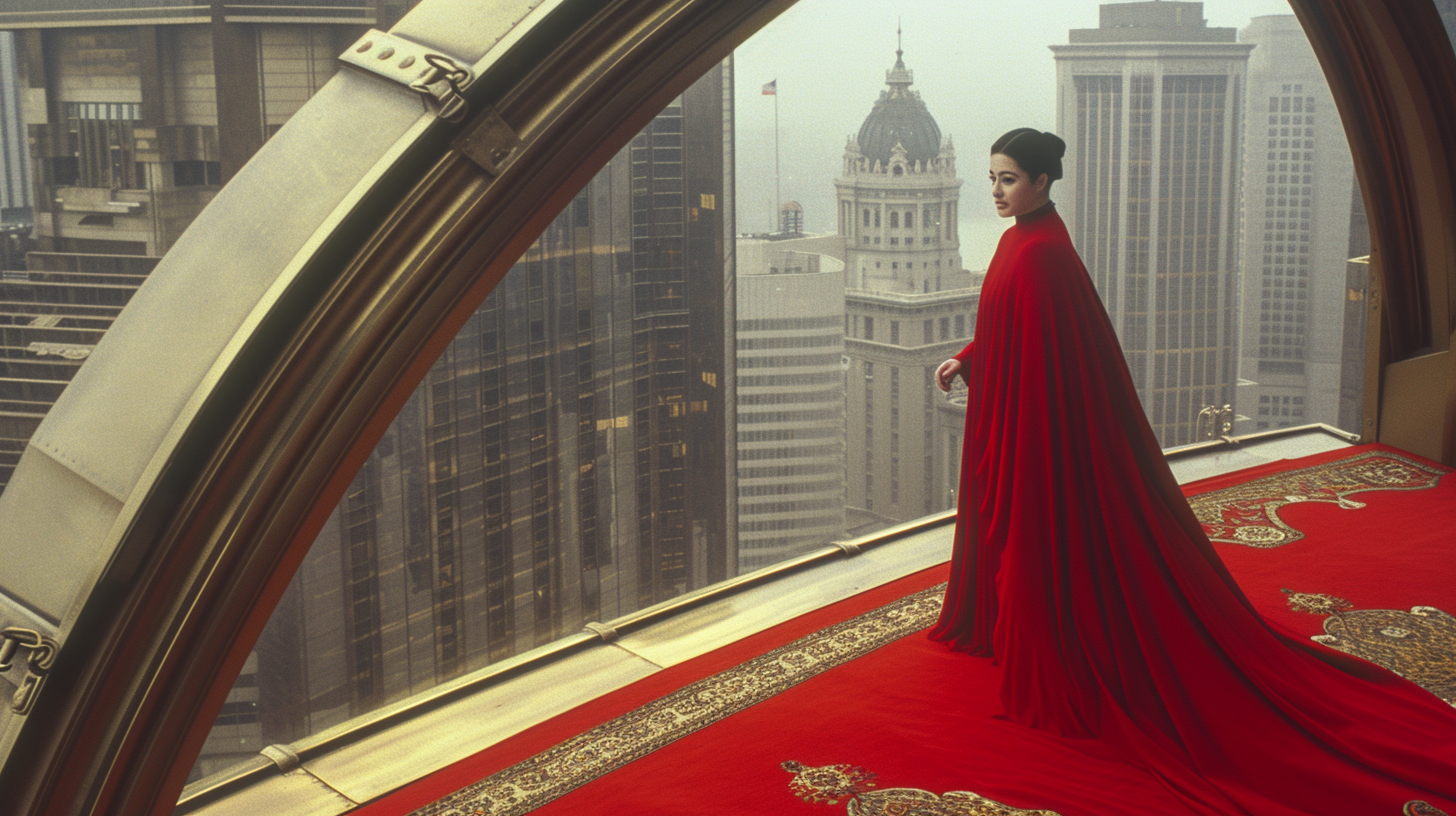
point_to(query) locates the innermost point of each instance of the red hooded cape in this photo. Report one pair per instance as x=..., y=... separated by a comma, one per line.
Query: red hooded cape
x=1079, y=566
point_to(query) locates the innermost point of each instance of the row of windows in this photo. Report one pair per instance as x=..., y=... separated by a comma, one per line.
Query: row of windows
x=1289, y=179
x=788, y=471
x=781, y=524
x=929, y=214
x=113, y=111
x=865, y=239
x=784, y=323
x=908, y=265
x=790, y=453
x=817, y=378
x=802, y=506
x=792, y=488
x=864, y=328
x=791, y=434
x=826, y=413
x=787, y=361
x=1271, y=201
x=1281, y=136
x=1291, y=104
x=1285, y=144
x=811, y=341
x=795, y=397
x=894, y=218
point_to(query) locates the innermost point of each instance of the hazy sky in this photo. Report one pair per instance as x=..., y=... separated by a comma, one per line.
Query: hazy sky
x=982, y=67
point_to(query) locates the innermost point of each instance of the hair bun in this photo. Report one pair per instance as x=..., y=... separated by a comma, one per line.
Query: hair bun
x=1036, y=151
x=1054, y=144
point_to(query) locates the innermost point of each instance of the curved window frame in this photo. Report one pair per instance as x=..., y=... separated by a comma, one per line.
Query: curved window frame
x=186, y=546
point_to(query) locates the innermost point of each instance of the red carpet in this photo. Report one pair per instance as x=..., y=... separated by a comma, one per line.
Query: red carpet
x=873, y=718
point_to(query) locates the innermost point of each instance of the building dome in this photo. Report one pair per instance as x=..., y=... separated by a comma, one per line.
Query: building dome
x=899, y=117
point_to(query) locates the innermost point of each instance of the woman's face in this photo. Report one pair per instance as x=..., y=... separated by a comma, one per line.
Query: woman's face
x=1012, y=189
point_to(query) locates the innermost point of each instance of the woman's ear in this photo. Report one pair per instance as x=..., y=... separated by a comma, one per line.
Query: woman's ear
x=1041, y=182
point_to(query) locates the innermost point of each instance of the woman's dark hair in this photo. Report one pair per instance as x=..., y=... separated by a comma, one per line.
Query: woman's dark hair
x=1036, y=151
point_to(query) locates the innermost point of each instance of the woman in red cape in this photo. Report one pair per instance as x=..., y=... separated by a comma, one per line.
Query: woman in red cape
x=1080, y=568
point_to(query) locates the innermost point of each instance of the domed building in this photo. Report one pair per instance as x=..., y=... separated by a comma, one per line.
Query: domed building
x=908, y=304
x=899, y=195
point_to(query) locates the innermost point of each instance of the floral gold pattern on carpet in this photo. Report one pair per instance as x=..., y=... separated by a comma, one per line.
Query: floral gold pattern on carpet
x=1419, y=645
x=577, y=761
x=1248, y=513
x=832, y=784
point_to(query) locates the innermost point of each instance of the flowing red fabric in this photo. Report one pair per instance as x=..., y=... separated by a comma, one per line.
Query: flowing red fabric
x=1079, y=566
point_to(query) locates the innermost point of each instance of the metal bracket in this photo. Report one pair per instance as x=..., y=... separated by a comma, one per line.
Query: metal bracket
x=283, y=756
x=603, y=631
x=489, y=142
x=42, y=654
x=437, y=77
x=850, y=549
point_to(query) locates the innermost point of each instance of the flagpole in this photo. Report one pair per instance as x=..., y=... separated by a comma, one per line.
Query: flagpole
x=778, y=200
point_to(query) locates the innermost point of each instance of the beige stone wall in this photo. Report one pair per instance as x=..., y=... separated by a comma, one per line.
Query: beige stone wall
x=96, y=65
x=189, y=91
x=297, y=61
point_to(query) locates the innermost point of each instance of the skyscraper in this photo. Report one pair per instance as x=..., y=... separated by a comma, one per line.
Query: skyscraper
x=1298, y=178
x=1151, y=106
x=136, y=115
x=791, y=446
x=14, y=175
x=566, y=460
x=909, y=304
x=147, y=109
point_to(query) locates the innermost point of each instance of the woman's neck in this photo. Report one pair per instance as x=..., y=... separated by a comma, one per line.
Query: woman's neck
x=1028, y=217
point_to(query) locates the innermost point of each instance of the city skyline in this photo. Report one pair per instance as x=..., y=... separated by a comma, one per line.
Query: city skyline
x=659, y=422
x=961, y=53
x=1299, y=188
x=566, y=460
x=1153, y=102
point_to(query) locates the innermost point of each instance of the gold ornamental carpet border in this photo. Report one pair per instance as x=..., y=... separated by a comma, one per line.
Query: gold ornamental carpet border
x=1242, y=513
x=569, y=765
x=1248, y=513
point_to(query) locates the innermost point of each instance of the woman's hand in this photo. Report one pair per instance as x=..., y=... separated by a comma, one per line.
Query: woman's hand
x=947, y=372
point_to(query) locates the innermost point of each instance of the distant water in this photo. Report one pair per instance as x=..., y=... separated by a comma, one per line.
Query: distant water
x=979, y=235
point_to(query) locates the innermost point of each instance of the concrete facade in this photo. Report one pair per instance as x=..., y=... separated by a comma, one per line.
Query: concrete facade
x=134, y=128
x=566, y=460
x=791, y=445
x=1151, y=105
x=1298, y=191
x=14, y=162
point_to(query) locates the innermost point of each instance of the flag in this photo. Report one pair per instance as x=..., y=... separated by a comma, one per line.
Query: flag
x=771, y=88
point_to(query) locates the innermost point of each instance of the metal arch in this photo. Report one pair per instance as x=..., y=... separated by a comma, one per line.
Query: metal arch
x=190, y=547
x=182, y=526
